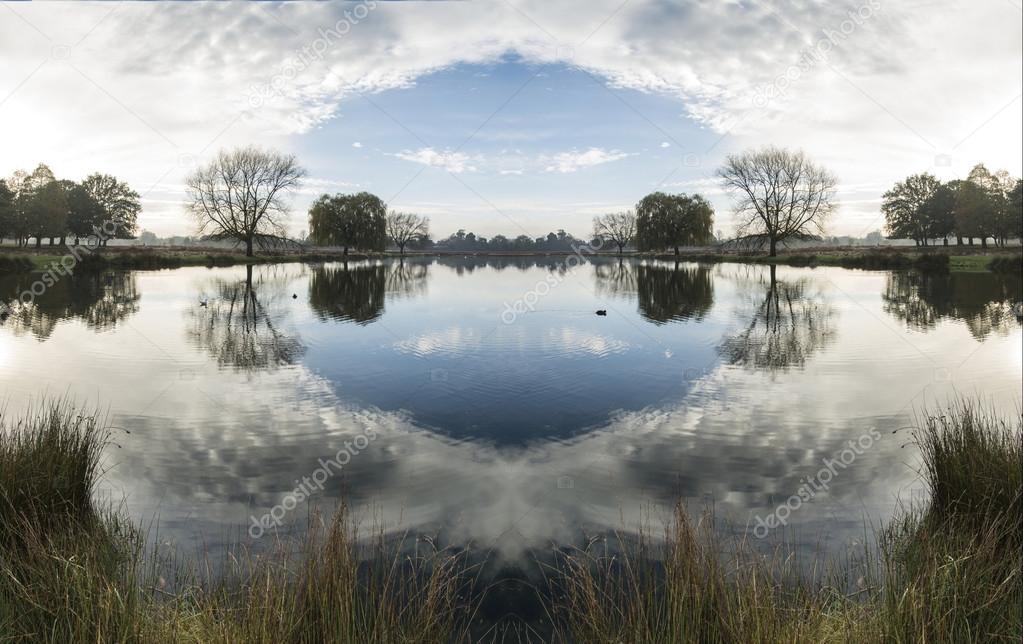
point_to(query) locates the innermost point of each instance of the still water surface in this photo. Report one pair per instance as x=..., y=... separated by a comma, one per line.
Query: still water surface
x=723, y=384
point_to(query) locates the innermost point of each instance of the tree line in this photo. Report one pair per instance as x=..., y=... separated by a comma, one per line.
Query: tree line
x=779, y=196
x=37, y=205
x=985, y=205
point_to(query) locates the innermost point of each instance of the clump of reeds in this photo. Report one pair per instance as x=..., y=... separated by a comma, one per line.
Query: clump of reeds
x=49, y=466
x=949, y=572
x=954, y=569
x=323, y=591
x=704, y=588
x=70, y=572
x=973, y=466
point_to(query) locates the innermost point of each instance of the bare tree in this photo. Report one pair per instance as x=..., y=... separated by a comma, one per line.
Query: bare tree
x=617, y=227
x=403, y=227
x=241, y=195
x=780, y=194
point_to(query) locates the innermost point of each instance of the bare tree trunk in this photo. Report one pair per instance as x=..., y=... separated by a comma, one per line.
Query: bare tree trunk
x=774, y=248
x=248, y=247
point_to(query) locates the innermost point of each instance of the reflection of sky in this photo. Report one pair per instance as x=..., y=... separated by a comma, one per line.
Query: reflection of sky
x=509, y=435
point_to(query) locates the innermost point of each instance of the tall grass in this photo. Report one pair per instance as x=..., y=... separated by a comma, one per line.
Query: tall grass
x=49, y=466
x=70, y=572
x=950, y=572
x=972, y=465
x=955, y=567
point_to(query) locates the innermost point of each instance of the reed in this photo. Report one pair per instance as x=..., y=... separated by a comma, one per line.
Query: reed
x=948, y=572
x=72, y=572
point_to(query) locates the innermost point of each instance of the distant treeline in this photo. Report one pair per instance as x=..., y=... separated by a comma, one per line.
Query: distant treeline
x=468, y=241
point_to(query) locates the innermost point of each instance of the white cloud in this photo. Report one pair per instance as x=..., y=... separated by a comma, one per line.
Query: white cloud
x=665, y=144
x=565, y=162
x=356, y=145
x=455, y=162
x=885, y=102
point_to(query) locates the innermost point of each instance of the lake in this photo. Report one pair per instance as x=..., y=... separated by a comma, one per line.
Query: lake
x=483, y=401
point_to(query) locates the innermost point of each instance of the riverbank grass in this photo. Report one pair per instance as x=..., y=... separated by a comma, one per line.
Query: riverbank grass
x=71, y=572
x=948, y=572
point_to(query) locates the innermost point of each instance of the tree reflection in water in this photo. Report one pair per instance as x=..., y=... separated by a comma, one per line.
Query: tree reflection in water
x=352, y=293
x=407, y=278
x=100, y=299
x=787, y=325
x=984, y=301
x=665, y=293
x=239, y=325
x=357, y=292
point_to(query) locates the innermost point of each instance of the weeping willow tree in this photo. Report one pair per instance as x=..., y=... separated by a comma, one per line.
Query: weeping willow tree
x=671, y=221
x=349, y=221
x=350, y=293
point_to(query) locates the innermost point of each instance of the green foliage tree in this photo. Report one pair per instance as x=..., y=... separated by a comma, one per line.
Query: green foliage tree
x=670, y=221
x=6, y=210
x=85, y=213
x=19, y=226
x=904, y=208
x=938, y=212
x=44, y=204
x=119, y=203
x=1003, y=223
x=972, y=211
x=1014, y=212
x=349, y=221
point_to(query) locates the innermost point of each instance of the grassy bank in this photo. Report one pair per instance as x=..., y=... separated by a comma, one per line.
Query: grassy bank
x=872, y=259
x=948, y=572
x=70, y=572
x=155, y=258
x=887, y=258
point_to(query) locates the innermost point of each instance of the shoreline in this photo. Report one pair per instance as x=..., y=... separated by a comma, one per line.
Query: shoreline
x=953, y=258
x=73, y=570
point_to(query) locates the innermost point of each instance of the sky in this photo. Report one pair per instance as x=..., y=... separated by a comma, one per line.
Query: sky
x=512, y=116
